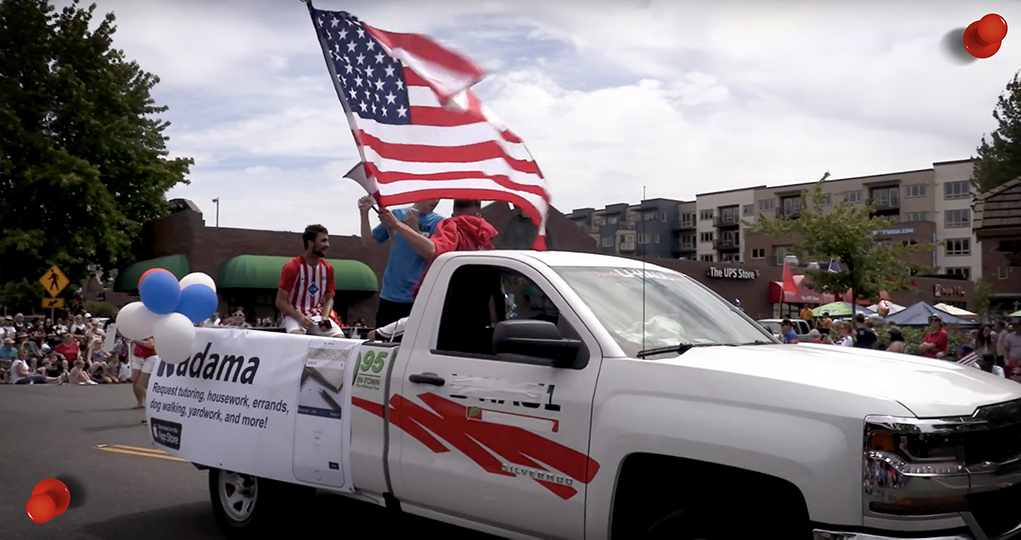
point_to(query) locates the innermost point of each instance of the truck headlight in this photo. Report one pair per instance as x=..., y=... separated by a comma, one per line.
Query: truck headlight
x=914, y=467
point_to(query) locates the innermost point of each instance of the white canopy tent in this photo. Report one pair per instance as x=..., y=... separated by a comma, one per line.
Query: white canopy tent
x=956, y=311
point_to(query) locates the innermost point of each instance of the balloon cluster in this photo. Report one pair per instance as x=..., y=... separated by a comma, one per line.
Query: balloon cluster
x=168, y=312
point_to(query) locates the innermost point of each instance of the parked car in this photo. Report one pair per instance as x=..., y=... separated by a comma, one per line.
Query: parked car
x=801, y=327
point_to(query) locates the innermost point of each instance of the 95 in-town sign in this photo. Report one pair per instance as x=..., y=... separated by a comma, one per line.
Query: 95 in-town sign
x=731, y=273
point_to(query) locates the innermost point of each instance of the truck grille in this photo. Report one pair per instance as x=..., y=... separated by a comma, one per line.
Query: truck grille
x=997, y=511
x=995, y=445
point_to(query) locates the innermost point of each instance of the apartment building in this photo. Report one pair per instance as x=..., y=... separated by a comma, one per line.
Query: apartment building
x=923, y=205
x=721, y=223
x=648, y=229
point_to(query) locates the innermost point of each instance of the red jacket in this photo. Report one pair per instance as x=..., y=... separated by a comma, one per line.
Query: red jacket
x=461, y=233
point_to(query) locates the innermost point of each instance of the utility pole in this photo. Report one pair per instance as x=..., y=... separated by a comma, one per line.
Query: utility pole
x=217, y=201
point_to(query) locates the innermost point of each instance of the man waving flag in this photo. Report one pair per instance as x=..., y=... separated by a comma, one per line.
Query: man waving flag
x=420, y=130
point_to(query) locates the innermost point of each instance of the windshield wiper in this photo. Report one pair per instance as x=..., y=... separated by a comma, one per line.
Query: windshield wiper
x=758, y=342
x=680, y=348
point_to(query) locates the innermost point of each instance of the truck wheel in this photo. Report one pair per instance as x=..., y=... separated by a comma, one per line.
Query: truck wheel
x=247, y=507
x=687, y=525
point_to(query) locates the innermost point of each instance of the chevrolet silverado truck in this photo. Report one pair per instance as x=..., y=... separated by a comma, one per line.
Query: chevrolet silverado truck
x=582, y=396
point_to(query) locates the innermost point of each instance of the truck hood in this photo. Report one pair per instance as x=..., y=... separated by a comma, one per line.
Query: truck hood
x=927, y=387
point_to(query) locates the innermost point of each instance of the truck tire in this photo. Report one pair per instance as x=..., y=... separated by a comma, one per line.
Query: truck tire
x=246, y=507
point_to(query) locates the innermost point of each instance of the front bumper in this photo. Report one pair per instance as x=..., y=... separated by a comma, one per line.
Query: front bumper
x=820, y=534
x=834, y=534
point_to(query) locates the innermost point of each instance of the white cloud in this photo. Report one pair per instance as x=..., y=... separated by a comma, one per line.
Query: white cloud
x=681, y=96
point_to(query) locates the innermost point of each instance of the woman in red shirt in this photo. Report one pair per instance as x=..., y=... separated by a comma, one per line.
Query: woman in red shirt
x=934, y=344
x=68, y=349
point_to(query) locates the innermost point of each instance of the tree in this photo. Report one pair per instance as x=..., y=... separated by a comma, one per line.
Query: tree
x=982, y=294
x=1000, y=160
x=846, y=234
x=83, y=159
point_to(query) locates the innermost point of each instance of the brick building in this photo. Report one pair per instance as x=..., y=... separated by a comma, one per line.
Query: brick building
x=246, y=263
x=997, y=225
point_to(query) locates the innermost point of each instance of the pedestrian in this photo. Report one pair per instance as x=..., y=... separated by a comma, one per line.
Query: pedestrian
x=806, y=315
x=897, y=344
x=1012, y=352
x=825, y=323
x=865, y=335
x=934, y=344
x=814, y=336
x=985, y=346
x=846, y=333
x=1001, y=342
x=306, y=288
x=142, y=365
x=787, y=331
x=404, y=265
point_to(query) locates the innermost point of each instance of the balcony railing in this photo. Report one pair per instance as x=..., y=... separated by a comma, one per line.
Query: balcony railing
x=685, y=225
x=788, y=212
x=885, y=203
x=726, y=244
x=727, y=221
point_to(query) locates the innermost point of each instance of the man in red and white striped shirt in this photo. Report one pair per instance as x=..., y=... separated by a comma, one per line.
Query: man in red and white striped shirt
x=305, y=293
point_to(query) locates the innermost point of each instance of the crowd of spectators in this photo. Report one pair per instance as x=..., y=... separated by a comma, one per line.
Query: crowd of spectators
x=69, y=350
x=995, y=346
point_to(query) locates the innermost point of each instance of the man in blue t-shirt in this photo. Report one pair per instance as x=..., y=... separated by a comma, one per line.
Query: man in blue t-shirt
x=405, y=265
x=787, y=329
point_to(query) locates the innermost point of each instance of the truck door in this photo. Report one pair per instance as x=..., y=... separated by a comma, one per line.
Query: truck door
x=498, y=441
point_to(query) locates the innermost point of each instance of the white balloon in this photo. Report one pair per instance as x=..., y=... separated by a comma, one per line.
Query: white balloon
x=198, y=278
x=135, y=321
x=174, y=338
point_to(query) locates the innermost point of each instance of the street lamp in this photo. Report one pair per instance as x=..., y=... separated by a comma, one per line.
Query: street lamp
x=217, y=201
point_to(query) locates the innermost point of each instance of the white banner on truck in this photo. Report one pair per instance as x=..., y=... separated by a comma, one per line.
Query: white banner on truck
x=268, y=404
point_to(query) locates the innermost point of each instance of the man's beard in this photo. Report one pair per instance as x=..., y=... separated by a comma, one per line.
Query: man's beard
x=319, y=253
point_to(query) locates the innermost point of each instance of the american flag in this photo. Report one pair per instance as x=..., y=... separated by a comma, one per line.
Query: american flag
x=971, y=359
x=420, y=130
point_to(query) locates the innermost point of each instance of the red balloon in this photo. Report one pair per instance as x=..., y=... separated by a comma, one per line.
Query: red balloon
x=152, y=271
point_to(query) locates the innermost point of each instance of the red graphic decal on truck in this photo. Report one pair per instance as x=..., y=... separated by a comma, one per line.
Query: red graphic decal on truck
x=514, y=444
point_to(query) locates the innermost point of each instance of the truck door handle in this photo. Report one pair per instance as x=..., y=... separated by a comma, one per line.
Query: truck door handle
x=427, y=378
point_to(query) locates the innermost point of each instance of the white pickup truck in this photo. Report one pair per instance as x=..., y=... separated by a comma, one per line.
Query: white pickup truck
x=566, y=395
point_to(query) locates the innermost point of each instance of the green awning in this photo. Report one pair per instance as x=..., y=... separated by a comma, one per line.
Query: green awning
x=127, y=279
x=263, y=272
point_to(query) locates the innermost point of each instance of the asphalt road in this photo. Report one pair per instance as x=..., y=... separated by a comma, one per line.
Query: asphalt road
x=121, y=486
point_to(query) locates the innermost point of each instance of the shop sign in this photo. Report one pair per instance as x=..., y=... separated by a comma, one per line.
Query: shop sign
x=894, y=232
x=731, y=273
x=940, y=291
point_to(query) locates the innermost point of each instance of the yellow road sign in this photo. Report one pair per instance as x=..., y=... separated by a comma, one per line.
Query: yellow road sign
x=53, y=303
x=137, y=451
x=54, y=281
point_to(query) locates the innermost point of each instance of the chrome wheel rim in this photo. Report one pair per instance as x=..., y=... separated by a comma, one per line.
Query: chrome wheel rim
x=238, y=493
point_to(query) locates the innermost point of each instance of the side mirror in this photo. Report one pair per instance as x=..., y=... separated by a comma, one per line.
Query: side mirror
x=538, y=342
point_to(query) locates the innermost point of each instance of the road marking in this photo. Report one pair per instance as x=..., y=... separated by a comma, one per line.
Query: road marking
x=137, y=451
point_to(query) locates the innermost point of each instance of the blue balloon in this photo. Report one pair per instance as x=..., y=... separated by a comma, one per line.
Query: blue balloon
x=160, y=292
x=198, y=302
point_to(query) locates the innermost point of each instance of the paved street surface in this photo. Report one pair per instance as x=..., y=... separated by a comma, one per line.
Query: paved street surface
x=123, y=488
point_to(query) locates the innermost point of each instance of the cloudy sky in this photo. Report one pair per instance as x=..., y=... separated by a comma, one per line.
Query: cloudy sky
x=680, y=96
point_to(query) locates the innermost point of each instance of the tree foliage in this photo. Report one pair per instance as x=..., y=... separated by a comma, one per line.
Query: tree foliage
x=845, y=233
x=1000, y=157
x=83, y=158
x=982, y=294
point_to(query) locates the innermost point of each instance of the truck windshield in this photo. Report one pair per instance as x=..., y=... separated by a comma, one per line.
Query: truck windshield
x=678, y=310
